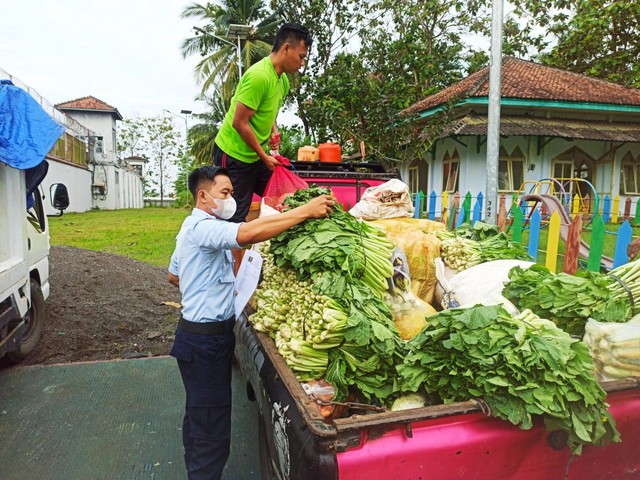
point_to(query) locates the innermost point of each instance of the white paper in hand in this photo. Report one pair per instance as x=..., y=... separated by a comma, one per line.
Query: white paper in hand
x=247, y=279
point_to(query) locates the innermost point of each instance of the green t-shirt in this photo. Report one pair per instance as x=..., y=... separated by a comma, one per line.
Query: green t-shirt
x=261, y=90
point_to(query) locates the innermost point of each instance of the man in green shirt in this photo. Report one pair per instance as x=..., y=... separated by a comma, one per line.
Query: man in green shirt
x=243, y=142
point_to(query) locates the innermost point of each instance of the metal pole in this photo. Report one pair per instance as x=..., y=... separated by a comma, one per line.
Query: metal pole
x=493, y=126
x=239, y=59
x=186, y=153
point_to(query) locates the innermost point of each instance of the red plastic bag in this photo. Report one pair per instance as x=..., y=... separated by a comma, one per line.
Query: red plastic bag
x=282, y=183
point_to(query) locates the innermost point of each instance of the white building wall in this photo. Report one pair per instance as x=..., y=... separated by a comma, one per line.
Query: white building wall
x=472, y=174
x=103, y=124
x=78, y=183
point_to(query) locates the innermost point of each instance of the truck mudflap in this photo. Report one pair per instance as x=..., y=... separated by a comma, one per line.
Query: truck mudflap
x=474, y=446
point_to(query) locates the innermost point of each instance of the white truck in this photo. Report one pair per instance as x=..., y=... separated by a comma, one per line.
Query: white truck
x=24, y=241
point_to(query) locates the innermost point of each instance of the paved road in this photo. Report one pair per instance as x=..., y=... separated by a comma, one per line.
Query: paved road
x=107, y=421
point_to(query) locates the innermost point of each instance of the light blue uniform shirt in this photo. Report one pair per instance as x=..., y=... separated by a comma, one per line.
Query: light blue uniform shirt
x=204, y=262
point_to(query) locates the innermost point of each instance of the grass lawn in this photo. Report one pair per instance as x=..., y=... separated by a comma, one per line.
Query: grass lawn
x=145, y=234
x=608, y=249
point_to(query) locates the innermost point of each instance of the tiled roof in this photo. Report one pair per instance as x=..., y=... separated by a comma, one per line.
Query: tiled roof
x=527, y=80
x=88, y=103
x=512, y=125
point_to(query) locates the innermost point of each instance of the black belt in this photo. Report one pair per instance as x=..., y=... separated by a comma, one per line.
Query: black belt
x=208, y=328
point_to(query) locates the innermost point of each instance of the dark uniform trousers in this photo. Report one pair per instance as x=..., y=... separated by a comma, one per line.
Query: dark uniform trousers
x=204, y=360
x=246, y=178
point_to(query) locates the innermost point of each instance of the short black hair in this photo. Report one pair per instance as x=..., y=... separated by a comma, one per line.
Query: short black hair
x=204, y=175
x=292, y=33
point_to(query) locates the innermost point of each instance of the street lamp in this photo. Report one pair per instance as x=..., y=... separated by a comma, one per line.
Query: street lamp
x=185, y=117
x=235, y=32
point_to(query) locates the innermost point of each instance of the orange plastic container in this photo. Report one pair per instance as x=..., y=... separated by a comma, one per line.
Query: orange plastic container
x=330, y=152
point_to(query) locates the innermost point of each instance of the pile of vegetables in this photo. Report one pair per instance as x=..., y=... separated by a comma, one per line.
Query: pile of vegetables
x=519, y=365
x=324, y=280
x=467, y=246
x=570, y=300
x=304, y=325
x=342, y=247
x=615, y=348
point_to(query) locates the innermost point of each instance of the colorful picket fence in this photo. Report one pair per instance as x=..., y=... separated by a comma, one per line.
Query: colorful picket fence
x=458, y=210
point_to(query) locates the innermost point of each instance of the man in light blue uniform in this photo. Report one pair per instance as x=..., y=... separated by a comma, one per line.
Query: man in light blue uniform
x=202, y=266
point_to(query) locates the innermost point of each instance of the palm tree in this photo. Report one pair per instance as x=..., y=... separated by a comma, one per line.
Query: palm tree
x=203, y=134
x=219, y=66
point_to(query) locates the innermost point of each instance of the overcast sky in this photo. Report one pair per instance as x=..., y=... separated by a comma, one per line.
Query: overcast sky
x=124, y=52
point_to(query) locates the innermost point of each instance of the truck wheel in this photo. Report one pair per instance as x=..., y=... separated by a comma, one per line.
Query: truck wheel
x=266, y=468
x=34, y=320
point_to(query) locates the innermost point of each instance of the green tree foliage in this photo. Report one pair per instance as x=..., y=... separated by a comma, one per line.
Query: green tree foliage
x=370, y=60
x=291, y=139
x=219, y=64
x=408, y=50
x=600, y=40
x=156, y=140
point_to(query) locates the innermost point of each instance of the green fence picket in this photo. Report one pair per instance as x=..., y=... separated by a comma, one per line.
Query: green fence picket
x=516, y=227
x=597, y=244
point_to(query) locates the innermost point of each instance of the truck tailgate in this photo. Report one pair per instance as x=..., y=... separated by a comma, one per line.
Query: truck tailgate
x=474, y=446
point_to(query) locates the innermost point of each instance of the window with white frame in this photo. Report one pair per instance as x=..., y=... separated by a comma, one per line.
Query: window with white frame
x=629, y=175
x=450, y=170
x=413, y=177
x=510, y=170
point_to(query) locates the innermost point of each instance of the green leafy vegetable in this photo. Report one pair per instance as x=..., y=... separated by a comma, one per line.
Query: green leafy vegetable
x=520, y=366
x=320, y=299
x=570, y=300
x=467, y=246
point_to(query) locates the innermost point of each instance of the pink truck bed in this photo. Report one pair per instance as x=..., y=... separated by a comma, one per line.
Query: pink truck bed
x=473, y=446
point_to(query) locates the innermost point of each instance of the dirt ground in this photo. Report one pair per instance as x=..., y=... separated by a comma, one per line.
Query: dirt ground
x=103, y=306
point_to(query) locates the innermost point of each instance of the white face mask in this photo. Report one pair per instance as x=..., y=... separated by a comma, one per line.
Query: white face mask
x=225, y=209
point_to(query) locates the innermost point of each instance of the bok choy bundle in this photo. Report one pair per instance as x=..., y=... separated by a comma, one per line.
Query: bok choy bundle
x=521, y=366
x=321, y=300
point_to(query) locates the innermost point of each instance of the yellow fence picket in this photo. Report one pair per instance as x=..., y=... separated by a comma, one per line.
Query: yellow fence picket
x=553, y=241
x=616, y=209
x=575, y=206
x=445, y=209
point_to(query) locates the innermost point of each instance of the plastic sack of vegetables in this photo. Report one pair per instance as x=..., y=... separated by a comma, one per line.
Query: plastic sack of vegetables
x=282, y=183
x=408, y=311
x=417, y=239
x=614, y=347
x=479, y=285
x=389, y=200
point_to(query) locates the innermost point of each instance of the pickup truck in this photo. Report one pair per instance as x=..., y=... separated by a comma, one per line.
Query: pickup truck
x=440, y=442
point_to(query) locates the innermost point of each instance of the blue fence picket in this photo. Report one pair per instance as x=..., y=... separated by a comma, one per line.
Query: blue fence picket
x=624, y=238
x=432, y=205
x=606, y=209
x=477, y=213
x=416, y=206
x=461, y=215
x=534, y=234
x=480, y=200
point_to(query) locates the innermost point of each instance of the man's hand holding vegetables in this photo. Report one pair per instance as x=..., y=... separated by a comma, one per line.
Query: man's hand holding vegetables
x=202, y=267
x=249, y=128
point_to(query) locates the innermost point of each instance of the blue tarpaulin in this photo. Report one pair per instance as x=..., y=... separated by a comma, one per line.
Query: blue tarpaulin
x=27, y=132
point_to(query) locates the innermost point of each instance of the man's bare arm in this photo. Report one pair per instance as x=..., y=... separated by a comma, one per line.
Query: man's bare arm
x=241, y=123
x=173, y=279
